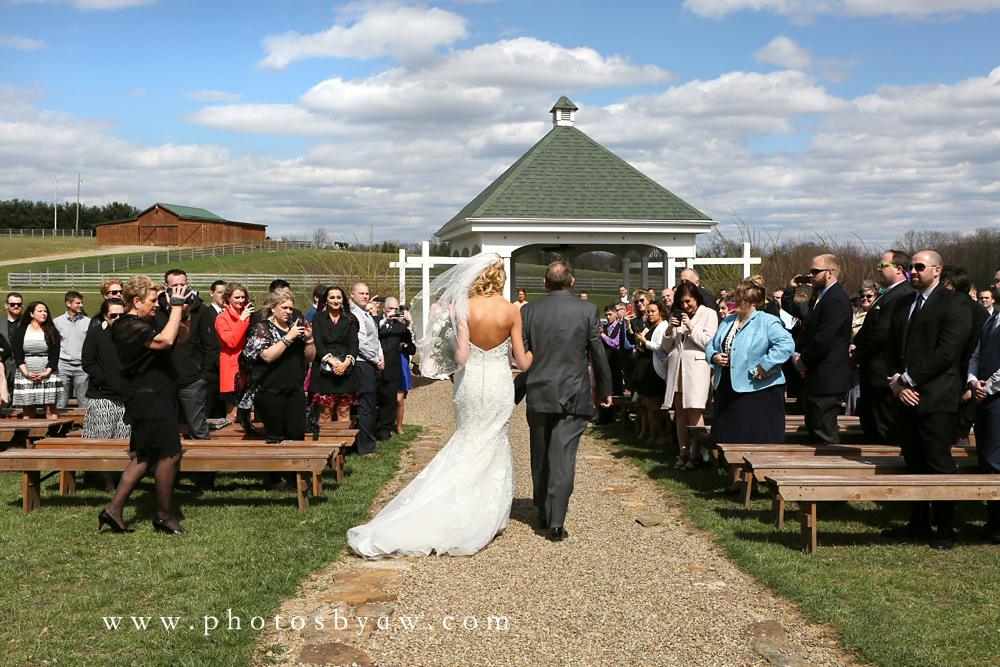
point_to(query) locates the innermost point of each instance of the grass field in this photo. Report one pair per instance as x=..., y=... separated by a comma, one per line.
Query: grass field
x=896, y=605
x=15, y=247
x=246, y=549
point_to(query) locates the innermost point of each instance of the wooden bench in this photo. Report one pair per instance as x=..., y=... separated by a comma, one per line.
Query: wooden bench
x=76, y=414
x=717, y=451
x=253, y=459
x=67, y=482
x=807, y=491
x=347, y=436
x=757, y=467
x=32, y=429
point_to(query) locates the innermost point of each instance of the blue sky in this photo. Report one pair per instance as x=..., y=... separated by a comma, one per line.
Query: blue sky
x=845, y=116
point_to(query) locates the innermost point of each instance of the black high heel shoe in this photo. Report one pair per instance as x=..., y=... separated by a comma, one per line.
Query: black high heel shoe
x=105, y=519
x=160, y=526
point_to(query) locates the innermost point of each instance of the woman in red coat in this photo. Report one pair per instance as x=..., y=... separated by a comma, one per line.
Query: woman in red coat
x=231, y=324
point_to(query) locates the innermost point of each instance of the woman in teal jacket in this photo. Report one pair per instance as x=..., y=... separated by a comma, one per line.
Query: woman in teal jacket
x=746, y=353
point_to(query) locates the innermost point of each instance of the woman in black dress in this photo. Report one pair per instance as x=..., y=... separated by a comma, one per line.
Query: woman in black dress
x=333, y=381
x=280, y=350
x=150, y=400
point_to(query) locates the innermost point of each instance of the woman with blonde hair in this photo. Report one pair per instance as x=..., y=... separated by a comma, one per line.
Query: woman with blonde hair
x=150, y=398
x=231, y=325
x=747, y=353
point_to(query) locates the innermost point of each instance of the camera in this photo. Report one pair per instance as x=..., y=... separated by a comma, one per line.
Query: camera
x=676, y=313
x=250, y=303
x=802, y=280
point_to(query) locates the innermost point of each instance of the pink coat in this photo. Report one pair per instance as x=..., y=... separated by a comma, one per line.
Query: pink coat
x=232, y=330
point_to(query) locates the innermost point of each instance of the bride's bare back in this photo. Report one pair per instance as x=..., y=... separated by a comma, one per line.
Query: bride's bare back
x=492, y=320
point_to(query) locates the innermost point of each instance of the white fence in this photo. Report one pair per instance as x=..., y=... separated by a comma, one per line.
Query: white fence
x=46, y=232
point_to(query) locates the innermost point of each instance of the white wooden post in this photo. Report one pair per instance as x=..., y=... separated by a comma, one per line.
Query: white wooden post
x=670, y=272
x=425, y=280
x=402, y=276
x=746, y=260
x=507, y=269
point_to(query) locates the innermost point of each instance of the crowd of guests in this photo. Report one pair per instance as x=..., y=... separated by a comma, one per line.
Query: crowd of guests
x=156, y=355
x=915, y=354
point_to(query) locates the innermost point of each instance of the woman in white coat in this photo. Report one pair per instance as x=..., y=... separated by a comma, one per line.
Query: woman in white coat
x=690, y=326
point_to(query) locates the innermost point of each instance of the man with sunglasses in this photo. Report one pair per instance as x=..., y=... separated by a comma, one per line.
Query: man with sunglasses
x=876, y=404
x=14, y=306
x=110, y=289
x=821, y=352
x=927, y=336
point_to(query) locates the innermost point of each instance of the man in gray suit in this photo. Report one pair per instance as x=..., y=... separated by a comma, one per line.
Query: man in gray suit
x=563, y=334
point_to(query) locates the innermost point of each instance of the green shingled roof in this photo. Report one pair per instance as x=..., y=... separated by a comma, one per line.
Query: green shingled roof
x=190, y=212
x=569, y=176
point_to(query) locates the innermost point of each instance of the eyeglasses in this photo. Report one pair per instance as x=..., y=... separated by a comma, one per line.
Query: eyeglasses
x=885, y=265
x=114, y=316
x=114, y=291
x=919, y=268
x=867, y=296
x=14, y=305
x=816, y=272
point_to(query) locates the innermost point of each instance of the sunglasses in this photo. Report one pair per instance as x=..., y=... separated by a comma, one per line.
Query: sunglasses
x=885, y=265
x=116, y=292
x=816, y=272
x=867, y=296
x=919, y=268
x=114, y=316
x=15, y=305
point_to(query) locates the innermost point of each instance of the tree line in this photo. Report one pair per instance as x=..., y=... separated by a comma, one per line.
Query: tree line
x=23, y=214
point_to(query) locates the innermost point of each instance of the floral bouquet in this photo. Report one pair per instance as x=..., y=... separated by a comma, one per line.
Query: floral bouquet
x=437, y=349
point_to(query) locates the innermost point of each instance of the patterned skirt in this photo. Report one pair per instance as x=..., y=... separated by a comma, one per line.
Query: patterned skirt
x=104, y=420
x=28, y=393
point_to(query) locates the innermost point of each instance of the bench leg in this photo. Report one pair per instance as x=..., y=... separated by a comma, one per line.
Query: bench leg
x=713, y=455
x=778, y=510
x=67, y=482
x=746, y=486
x=340, y=467
x=807, y=517
x=317, y=484
x=31, y=490
x=302, y=489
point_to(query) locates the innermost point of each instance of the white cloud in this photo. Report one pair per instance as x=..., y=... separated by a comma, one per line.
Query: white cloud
x=784, y=52
x=803, y=9
x=269, y=119
x=100, y=5
x=19, y=43
x=406, y=33
x=213, y=96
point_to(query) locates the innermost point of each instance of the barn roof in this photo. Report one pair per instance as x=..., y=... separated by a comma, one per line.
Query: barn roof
x=183, y=213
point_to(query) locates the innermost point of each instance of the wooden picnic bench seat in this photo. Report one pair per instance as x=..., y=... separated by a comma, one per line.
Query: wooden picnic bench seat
x=67, y=482
x=756, y=467
x=76, y=414
x=30, y=430
x=347, y=436
x=809, y=490
x=716, y=450
x=244, y=459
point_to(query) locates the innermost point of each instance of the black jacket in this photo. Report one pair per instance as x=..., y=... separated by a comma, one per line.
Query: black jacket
x=101, y=364
x=824, y=343
x=933, y=352
x=872, y=340
x=391, y=336
x=340, y=340
x=17, y=343
x=6, y=352
x=979, y=316
x=195, y=358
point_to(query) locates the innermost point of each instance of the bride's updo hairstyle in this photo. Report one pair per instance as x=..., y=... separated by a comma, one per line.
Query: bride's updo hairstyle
x=751, y=290
x=490, y=281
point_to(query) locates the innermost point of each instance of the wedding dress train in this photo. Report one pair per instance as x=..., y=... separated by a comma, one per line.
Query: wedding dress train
x=462, y=499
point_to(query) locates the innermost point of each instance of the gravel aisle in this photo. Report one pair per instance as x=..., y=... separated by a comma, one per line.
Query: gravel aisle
x=613, y=592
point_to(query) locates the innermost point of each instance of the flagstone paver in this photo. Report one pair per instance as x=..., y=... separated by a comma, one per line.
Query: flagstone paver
x=615, y=592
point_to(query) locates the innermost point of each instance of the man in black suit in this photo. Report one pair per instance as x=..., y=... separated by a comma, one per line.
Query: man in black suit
x=984, y=381
x=563, y=333
x=927, y=335
x=822, y=356
x=958, y=280
x=877, y=403
x=393, y=332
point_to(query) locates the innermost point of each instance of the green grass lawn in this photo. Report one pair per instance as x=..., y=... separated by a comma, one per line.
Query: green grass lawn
x=246, y=549
x=16, y=247
x=896, y=605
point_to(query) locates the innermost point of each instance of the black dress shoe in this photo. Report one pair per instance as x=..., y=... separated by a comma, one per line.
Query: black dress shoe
x=909, y=531
x=557, y=534
x=944, y=540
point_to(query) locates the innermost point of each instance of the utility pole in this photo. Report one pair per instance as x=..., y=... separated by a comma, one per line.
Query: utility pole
x=55, y=208
x=78, y=182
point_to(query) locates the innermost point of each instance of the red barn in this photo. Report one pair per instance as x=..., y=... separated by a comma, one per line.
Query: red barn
x=185, y=226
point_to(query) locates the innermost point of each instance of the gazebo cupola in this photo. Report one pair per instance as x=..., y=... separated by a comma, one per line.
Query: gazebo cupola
x=563, y=113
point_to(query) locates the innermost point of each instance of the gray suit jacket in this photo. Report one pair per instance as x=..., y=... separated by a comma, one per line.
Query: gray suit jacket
x=562, y=333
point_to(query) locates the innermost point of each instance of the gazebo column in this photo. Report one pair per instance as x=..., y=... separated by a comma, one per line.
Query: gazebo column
x=644, y=261
x=508, y=267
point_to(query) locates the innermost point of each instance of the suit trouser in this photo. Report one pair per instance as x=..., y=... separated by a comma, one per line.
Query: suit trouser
x=987, y=429
x=192, y=399
x=215, y=407
x=964, y=420
x=875, y=410
x=615, y=366
x=554, y=441
x=366, y=408
x=821, y=412
x=74, y=378
x=926, y=440
x=385, y=401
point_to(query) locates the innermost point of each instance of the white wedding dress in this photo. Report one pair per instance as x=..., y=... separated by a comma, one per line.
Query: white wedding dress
x=462, y=499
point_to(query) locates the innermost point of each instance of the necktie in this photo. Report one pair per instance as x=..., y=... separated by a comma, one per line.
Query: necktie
x=909, y=322
x=916, y=308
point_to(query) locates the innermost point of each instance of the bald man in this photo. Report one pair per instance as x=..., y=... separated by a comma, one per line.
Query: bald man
x=928, y=332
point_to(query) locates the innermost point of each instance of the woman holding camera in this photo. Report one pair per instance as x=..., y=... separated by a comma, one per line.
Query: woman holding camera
x=649, y=372
x=688, y=375
x=280, y=350
x=231, y=326
x=333, y=381
x=150, y=399
x=747, y=353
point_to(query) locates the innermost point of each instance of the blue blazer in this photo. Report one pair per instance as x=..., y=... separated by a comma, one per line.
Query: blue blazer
x=762, y=340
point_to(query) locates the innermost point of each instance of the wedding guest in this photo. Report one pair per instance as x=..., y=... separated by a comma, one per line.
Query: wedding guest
x=14, y=306
x=988, y=299
x=109, y=289
x=622, y=296
x=334, y=382
x=520, y=303
x=274, y=286
x=405, y=380
x=144, y=351
x=749, y=383
x=866, y=297
x=106, y=387
x=667, y=299
x=280, y=349
x=957, y=279
x=231, y=327
x=36, y=344
x=612, y=339
x=393, y=333
x=635, y=320
x=6, y=354
x=688, y=375
x=72, y=326
x=370, y=353
x=691, y=276
x=624, y=346
x=215, y=406
x=584, y=296
x=650, y=372
x=318, y=293
x=218, y=294
x=372, y=309
x=984, y=381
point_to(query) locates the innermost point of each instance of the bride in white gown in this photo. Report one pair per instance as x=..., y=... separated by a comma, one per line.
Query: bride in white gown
x=462, y=499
